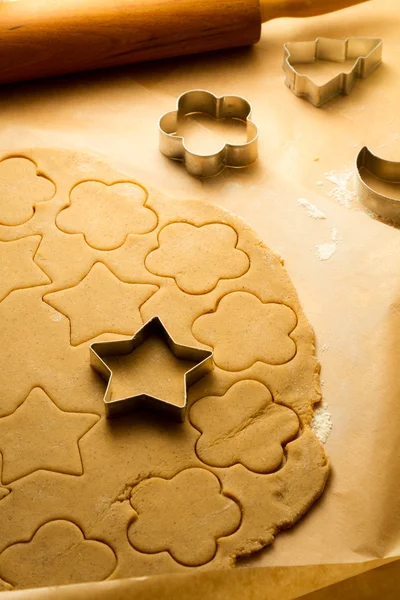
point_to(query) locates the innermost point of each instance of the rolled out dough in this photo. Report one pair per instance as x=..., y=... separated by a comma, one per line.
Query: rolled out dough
x=88, y=253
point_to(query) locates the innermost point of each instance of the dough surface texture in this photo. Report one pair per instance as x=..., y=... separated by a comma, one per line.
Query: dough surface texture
x=88, y=253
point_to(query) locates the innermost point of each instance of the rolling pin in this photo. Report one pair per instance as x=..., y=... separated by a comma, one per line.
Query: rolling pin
x=42, y=38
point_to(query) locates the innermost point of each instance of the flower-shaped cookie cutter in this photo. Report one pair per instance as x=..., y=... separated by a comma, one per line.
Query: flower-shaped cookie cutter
x=366, y=52
x=386, y=207
x=230, y=155
x=154, y=327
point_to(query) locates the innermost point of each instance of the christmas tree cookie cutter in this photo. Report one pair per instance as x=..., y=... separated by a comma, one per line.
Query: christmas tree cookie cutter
x=230, y=155
x=153, y=327
x=388, y=171
x=366, y=52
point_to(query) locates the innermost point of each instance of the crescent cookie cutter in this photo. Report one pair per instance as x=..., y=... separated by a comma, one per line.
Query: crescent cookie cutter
x=385, y=171
x=367, y=53
x=230, y=155
x=154, y=327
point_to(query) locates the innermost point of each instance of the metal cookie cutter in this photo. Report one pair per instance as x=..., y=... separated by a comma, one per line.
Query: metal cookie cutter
x=154, y=327
x=385, y=171
x=367, y=53
x=230, y=155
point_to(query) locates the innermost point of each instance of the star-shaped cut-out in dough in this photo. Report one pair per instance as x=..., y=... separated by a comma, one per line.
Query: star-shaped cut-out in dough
x=149, y=370
x=18, y=269
x=4, y=492
x=40, y=436
x=101, y=303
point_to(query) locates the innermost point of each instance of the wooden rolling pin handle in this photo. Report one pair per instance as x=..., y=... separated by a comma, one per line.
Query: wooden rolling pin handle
x=41, y=38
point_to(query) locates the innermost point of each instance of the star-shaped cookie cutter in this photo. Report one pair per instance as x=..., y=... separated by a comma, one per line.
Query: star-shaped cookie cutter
x=367, y=53
x=230, y=155
x=153, y=327
x=383, y=205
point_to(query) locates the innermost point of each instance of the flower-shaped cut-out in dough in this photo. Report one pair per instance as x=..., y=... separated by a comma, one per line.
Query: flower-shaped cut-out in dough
x=106, y=214
x=243, y=426
x=184, y=516
x=198, y=257
x=22, y=186
x=244, y=330
x=57, y=554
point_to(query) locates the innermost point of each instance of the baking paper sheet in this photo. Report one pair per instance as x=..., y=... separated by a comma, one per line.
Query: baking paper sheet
x=345, y=267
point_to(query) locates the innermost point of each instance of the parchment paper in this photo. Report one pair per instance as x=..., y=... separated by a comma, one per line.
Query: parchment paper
x=352, y=298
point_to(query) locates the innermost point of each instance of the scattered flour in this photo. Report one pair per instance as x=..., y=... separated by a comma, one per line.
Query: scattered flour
x=343, y=192
x=325, y=348
x=327, y=250
x=311, y=209
x=321, y=423
x=56, y=316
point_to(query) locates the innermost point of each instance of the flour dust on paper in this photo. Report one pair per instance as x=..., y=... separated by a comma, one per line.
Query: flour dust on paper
x=321, y=423
x=327, y=250
x=343, y=191
x=311, y=209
